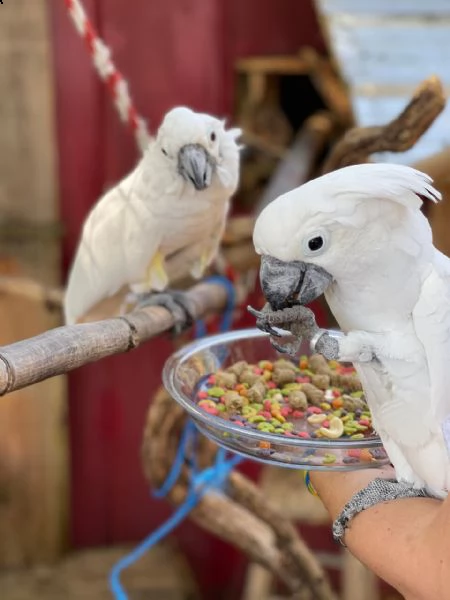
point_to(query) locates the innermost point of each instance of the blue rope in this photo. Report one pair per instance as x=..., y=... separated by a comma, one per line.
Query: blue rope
x=227, y=318
x=200, y=482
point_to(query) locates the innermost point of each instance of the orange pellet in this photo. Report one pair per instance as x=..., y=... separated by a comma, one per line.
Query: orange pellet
x=241, y=389
x=365, y=455
x=337, y=403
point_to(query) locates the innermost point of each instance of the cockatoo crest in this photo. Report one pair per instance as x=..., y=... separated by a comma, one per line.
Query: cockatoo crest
x=354, y=200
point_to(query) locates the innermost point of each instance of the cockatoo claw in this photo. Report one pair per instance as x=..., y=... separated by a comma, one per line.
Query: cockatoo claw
x=175, y=302
x=262, y=321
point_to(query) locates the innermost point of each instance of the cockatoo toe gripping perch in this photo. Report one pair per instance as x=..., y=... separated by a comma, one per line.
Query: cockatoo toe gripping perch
x=175, y=301
x=358, y=236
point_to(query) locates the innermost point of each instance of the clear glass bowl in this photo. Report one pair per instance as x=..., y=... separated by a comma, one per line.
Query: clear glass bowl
x=183, y=372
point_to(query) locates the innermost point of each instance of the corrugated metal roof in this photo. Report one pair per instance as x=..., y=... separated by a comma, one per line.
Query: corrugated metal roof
x=385, y=48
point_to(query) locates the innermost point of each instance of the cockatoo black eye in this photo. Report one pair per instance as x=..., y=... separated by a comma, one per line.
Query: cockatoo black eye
x=213, y=136
x=316, y=243
x=163, y=151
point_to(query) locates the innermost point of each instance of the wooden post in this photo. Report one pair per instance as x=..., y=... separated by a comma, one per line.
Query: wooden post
x=33, y=449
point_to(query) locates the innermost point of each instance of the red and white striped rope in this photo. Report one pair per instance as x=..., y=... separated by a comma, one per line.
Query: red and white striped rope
x=112, y=77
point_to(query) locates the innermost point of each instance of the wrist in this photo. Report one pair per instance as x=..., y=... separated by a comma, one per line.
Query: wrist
x=335, y=489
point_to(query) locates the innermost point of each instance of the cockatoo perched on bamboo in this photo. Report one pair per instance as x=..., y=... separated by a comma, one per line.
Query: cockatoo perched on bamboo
x=358, y=236
x=172, y=206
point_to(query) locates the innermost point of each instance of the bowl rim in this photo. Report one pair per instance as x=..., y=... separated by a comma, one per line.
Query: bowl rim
x=190, y=349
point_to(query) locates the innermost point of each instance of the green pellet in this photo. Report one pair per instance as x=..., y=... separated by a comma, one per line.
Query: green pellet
x=257, y=419
x=328, y=459
x=288, y=426
x=221, y=407
x=274, y=391
x=349, y=430
x=256, y=406
x=216, y=392
x=325, y=406
x=267, y=427
x=357, y=436
x=279, y=430
x=357, y=394
x=292, y=386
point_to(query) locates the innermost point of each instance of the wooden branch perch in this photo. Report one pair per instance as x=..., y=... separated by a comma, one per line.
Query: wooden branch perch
x=66, y=348
x=244, y=518
x=359, y=143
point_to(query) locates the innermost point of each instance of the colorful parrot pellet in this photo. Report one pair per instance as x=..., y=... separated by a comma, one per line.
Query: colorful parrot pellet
x=313, y=398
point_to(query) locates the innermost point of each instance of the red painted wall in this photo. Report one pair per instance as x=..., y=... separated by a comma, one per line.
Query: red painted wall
x=172, y=52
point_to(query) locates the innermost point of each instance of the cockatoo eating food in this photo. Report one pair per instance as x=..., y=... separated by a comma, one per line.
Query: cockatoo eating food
x=358, y=235
x=173, y=204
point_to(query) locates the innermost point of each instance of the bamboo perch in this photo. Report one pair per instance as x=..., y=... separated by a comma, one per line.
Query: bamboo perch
x=66, y=348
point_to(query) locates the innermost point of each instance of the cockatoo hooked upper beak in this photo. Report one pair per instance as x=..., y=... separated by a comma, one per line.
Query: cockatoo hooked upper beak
x=287, y=283
x=195, y=165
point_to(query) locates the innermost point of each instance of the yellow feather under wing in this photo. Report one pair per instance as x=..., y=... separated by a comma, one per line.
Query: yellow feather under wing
x=156, y=277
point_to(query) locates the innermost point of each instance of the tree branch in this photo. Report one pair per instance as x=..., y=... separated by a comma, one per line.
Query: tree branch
x=66, y=348
x=359, y=143
x=244, y=518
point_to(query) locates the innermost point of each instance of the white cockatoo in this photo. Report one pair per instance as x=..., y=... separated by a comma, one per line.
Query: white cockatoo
x=358, y=235
x=171, y=208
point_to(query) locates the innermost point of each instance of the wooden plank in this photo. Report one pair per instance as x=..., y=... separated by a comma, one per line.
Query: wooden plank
x=33, y=451
x=28, y=189
x=33, y=447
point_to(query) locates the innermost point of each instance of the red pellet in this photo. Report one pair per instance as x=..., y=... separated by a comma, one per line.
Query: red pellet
x=314, y=409
x=202, y=395
x=303, y=434
x=267, y=405
x=265, y=413
x=212, y=410
x=364, y=422
x=257, y=371
x=326, y=423
x=271, y=385
x=303, y=379
x=354, y=453
x=336, y=393
x=212, y=379
x=286, y=410
x=298, y=414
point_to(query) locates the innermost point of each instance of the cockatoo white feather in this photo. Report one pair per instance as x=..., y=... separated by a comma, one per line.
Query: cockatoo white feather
x=389, y=291
x=175, y=201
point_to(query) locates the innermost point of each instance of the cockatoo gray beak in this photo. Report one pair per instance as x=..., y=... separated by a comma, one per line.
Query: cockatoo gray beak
x=287, y=283
x=195, y=165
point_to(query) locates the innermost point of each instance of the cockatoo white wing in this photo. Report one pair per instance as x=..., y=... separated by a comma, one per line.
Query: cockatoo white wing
x=431, y=318
x=118, y=242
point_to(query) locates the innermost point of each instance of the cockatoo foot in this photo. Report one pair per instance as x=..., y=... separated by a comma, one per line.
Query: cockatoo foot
x=301, y=323
x=176, y=302
x=379, y=490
